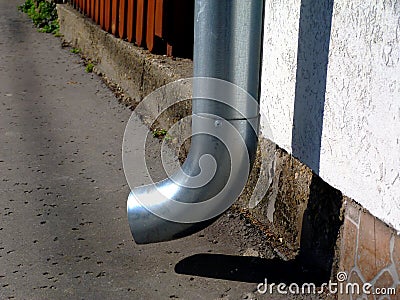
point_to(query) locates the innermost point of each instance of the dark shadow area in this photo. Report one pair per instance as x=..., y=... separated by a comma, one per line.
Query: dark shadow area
x=321, y=225
x=179, y=27
x=246, y=269
x=320, y=231
x=312, y=64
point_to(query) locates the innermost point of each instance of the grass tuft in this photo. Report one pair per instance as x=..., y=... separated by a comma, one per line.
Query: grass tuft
x=89, y=67
x=43, y=15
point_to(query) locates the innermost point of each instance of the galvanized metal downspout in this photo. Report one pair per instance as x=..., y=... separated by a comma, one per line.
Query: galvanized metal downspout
x=227, y=45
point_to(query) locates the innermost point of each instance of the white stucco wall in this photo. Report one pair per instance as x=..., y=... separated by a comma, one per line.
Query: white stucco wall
x=347, y=115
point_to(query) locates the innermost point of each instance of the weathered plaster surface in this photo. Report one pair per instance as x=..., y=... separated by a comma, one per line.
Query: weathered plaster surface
x=360, y=138
x=281, y=27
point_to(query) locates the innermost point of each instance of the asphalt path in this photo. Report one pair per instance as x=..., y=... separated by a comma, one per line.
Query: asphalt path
x=63, y=227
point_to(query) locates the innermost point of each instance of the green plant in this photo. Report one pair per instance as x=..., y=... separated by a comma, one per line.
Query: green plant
x=75, y=50
x=27, y=6
x=89, y=67
x=159, y=133
x=57, y=33
x=43, y=15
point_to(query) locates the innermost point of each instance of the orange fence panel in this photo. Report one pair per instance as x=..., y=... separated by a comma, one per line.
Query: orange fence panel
x=122, y=18
x=92, y=8
x=87, y=7
x=163, y=26
x=88, y=2
x=101, y=21
x=131, y=17
x=114, y=16
x=159, y=18
x=107, y=15
x=140, y=21
x=97, y=12
x=150, y=22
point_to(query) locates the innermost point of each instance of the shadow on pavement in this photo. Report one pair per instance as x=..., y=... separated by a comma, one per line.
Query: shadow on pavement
x=248, y=269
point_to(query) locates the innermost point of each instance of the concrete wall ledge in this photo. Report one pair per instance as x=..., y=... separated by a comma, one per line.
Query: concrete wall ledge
x=135, y=70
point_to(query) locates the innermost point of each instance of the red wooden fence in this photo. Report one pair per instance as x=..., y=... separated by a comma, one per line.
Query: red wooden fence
x=162, y=26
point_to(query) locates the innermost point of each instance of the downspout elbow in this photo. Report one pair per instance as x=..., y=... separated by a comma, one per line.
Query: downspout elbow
x=225, y=119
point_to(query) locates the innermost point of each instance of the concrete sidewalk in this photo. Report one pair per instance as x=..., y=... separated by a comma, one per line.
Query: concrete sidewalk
x=63, y=227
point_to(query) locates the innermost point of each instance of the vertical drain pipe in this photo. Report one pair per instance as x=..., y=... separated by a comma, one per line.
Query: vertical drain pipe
x=227, y=46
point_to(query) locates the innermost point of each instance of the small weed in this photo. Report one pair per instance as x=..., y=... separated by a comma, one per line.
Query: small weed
x=89, y=67
x=161, y=134
x=27, y=6
x=43, y=14
x=57, y=33
x=75, y=51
